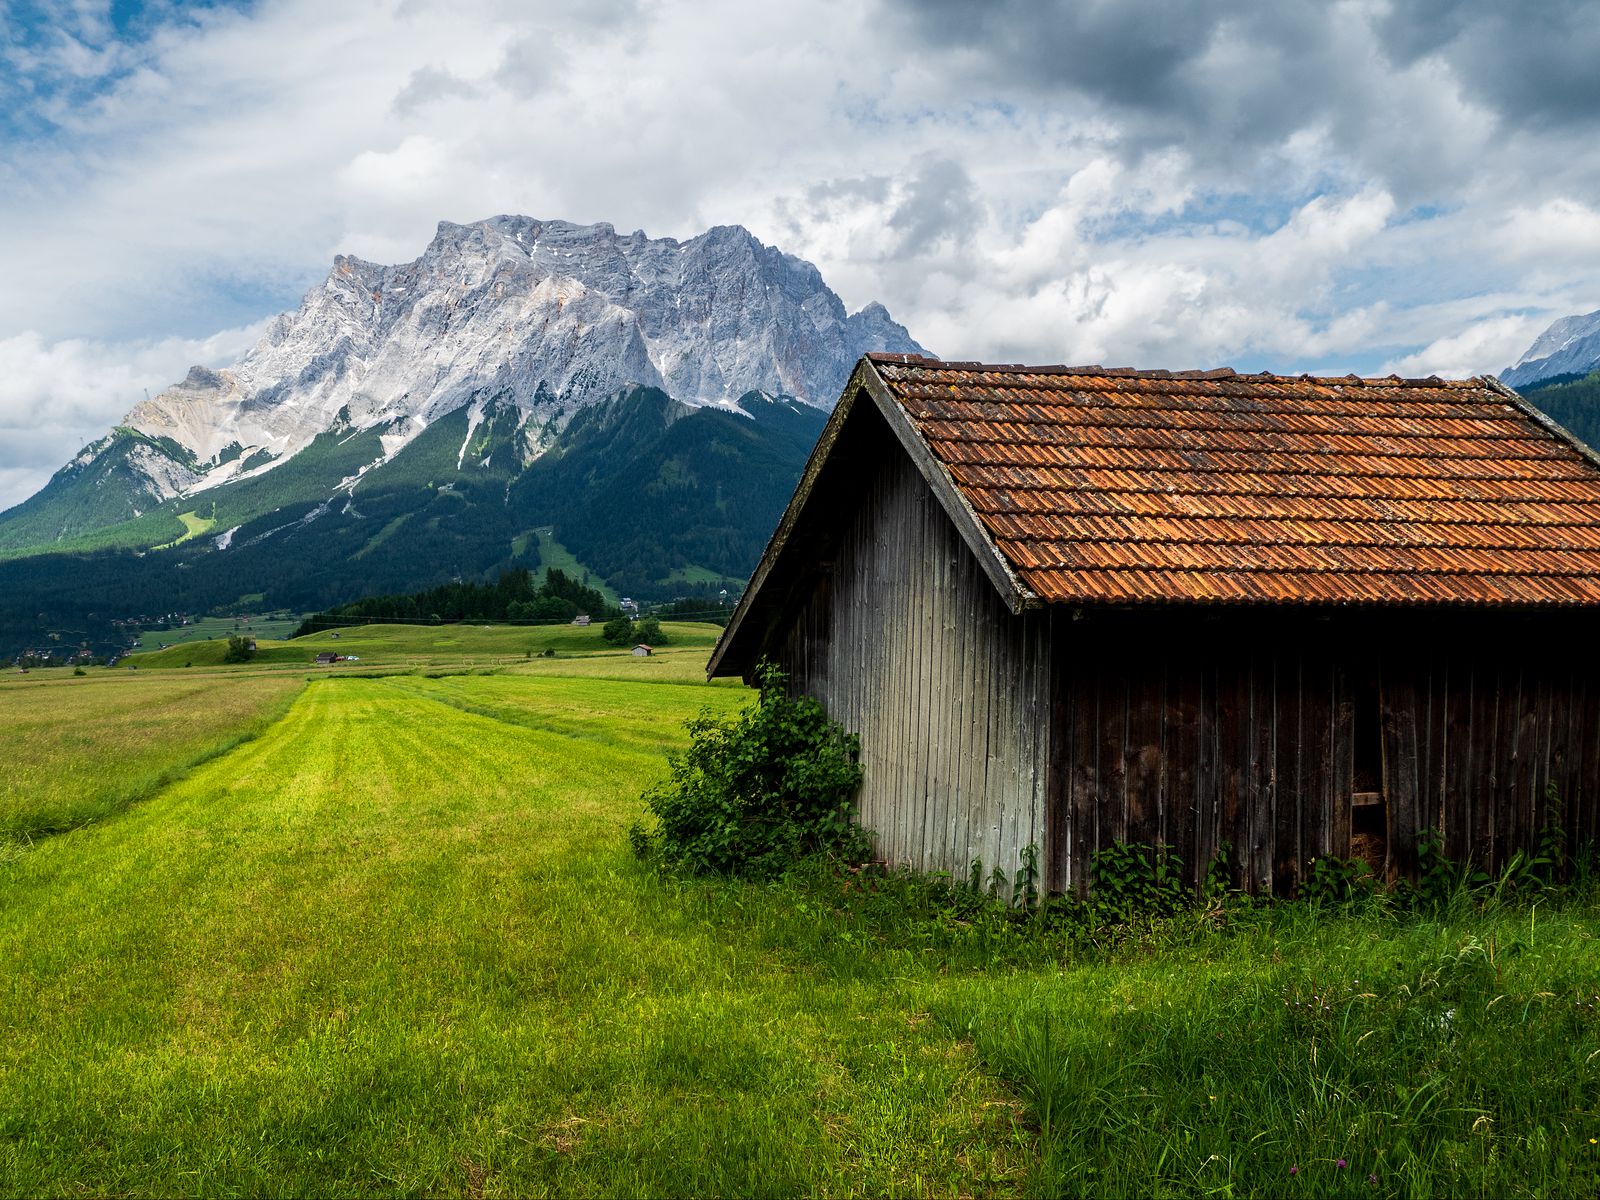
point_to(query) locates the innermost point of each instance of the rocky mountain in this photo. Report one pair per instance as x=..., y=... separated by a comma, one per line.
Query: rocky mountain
x=1570, y=347
x=544, y=315
x=524, y=390
x=539, y=317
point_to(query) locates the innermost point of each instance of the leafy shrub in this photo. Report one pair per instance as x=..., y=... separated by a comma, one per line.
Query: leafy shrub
x=1337, y=881
x=618, y=631
x=649, y=632
x=758, y=792
x=1132, y=880
x=1218, y=885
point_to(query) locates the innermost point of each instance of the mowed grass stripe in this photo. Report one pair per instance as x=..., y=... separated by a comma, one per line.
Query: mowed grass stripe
x=594, y=709
x=77, y=749
x=395, y=947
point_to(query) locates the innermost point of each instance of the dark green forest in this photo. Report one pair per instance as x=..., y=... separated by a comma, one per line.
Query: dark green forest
x=1572, y=401
x=514, y=597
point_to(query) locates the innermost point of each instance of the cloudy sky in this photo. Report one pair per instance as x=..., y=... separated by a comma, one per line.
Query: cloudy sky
x=1180, y=183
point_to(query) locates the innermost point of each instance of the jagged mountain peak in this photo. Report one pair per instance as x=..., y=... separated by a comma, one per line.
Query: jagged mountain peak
x=1570, y=346
x=538, y=318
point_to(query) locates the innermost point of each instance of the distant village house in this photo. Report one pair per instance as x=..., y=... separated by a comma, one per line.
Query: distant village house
x=1300, y=617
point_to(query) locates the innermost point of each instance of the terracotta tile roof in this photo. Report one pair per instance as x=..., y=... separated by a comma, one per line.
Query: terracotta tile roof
x=1133, y=486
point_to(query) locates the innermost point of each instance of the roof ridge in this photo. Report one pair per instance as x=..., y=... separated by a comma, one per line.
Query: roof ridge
x=1349, y=380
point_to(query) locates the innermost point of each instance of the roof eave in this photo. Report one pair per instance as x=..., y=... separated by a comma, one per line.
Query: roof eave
x=1524, y=405
x=1015, y=594
x=791, y=517
x=865, y=379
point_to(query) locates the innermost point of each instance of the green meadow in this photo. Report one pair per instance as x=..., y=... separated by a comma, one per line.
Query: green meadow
x=390, y=940
x=427, y=646
x=211, y=628
x=75, y=749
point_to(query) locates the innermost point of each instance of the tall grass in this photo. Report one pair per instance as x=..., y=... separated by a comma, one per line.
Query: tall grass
x=77, y=749
x=1326, y=1054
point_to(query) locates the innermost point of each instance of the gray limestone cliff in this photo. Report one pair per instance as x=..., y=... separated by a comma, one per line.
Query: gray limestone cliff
x=543, y=315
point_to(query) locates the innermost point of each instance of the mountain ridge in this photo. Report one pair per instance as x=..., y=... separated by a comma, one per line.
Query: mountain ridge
x=639, y=408
x=1568, y=346
x=545, y=317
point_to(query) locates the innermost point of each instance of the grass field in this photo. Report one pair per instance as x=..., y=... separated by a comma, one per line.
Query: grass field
x=220, y=629
x=193, y=526
x=396, y=945
x=76, y=749
x=430, y=645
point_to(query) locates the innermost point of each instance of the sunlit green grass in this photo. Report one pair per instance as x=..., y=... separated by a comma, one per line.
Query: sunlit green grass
x=396, y=945
x=193, y=526
x=73, y=749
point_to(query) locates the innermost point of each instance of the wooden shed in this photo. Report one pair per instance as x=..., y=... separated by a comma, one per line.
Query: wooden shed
x=1070, y=606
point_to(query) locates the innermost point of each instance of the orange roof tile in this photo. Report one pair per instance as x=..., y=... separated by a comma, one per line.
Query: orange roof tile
x=1149, y=486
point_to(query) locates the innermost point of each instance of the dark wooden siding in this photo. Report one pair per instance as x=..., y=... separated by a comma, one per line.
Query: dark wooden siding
x=905, y=641
x=1244, y=730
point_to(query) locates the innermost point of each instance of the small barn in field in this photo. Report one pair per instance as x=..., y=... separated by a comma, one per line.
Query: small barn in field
x=1070, y=606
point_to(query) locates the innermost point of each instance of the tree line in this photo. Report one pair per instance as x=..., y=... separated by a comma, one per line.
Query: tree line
x=515, y=597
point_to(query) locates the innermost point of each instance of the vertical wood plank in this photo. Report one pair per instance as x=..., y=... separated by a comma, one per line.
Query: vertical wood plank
x=1142, y=749
x=1183, y=753
x=1080, y=669
x=1524, y=798
x=1467, y=760
x=1058, y=840
x=1207, y=785
x=1288, y=798
x=1317, y=749
x=1344, y=764
x=1113, y=779
x=1586, y=753
x=1400, y=767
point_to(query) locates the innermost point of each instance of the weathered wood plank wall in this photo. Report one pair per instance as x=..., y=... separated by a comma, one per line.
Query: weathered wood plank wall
x=904, y=640
x=1246, y=732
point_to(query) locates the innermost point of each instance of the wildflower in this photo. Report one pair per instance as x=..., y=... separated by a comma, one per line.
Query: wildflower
x=1341, y=1164
x=1294, y=1170
x=1372, y=1179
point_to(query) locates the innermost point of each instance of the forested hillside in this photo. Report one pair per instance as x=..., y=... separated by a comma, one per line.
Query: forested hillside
x=1572, y=401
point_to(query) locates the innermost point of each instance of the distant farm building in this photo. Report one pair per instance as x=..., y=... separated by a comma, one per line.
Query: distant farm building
x=1066, y=607
x=581, y=619
x=643, y=651
x=328, y=658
